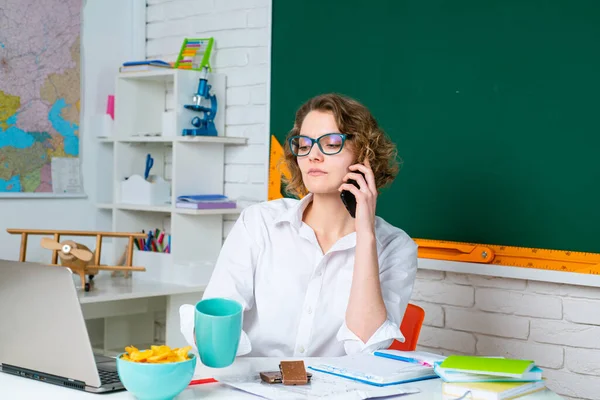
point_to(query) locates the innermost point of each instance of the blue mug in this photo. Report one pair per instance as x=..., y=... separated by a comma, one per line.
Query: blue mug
x=218, y=326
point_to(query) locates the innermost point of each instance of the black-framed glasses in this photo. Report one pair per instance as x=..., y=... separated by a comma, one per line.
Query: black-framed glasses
x=329, y=144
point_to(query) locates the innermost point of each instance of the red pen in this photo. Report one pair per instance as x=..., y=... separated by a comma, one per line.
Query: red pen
x=201, y=381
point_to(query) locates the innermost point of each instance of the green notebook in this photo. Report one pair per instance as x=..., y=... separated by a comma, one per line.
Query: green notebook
x=487, y=365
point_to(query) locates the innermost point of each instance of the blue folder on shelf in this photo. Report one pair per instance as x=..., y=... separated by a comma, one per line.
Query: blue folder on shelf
x=374, y=370
x=160, y=63
x=199, y=198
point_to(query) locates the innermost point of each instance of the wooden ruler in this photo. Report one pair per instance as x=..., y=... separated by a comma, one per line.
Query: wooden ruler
x=526, y=257
x=277, y=169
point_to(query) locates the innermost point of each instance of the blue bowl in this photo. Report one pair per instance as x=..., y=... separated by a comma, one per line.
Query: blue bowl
x=148, y=381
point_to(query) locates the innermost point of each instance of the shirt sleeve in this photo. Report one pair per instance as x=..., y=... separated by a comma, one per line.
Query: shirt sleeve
x=232, y=278
x=397, y=273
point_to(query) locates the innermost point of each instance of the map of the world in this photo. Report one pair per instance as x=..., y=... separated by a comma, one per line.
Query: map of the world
x=39, y=95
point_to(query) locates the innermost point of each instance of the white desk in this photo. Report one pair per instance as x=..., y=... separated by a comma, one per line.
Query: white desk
x=107, y=288
x=12, y=387
x=127, y=306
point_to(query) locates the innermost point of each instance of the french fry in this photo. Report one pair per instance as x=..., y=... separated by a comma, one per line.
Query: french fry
x=158, y=358
x=141, y=355
x=156, y=354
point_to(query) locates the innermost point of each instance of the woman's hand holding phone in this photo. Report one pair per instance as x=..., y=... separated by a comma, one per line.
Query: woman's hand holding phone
x=365, y=196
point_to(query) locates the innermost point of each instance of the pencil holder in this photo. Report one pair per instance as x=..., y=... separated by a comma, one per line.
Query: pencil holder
x=157, y=264
x=137, y=190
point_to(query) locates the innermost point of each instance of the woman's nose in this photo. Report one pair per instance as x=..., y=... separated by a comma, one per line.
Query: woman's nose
x=315, y=153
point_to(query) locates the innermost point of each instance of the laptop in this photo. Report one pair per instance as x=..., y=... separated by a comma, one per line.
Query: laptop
x=43, y=335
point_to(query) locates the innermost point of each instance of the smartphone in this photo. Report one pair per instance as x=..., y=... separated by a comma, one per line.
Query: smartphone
x=348, y=198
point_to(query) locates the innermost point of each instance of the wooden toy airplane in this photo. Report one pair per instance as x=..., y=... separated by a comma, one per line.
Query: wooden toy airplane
x=76, y=256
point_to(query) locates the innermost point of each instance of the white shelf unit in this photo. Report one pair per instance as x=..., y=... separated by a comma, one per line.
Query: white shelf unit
x=192, y=165
x=184, y=139
x=167, y=209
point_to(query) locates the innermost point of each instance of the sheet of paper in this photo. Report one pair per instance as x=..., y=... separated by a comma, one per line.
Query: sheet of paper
x=322, y=386
x=66, y=175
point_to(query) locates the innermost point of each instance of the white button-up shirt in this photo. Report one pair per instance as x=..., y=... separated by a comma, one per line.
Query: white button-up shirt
x=294, y=296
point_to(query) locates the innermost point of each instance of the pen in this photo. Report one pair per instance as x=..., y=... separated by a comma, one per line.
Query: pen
x=405, y=359
x=415, y=361
x=201, y=381
x=149, y=241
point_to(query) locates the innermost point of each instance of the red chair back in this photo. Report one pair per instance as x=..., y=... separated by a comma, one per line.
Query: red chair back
x=410, y=328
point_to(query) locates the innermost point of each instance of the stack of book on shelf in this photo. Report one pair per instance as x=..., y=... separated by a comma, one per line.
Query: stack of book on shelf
x=205, y=202
x=493, y=378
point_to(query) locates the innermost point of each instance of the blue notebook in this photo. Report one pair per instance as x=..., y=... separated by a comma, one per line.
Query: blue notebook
x=374, y=370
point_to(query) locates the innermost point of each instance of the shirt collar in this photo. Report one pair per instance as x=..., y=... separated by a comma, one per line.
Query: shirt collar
x=294, y=214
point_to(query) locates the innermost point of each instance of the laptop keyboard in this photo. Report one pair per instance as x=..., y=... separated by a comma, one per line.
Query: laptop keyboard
x=108, y=377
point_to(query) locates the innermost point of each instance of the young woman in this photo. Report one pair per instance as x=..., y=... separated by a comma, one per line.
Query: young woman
x=313, y=280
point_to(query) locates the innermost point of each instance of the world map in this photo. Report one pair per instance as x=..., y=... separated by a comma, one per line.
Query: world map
x=39, y=92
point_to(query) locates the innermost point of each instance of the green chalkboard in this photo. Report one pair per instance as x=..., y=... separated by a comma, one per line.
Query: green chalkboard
x=494, y=106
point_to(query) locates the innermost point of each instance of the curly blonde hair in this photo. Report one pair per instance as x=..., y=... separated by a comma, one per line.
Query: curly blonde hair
x=368, y=139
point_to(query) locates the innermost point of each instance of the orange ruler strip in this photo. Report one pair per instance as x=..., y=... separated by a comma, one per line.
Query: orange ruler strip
x=526, y=257
x=277, y=169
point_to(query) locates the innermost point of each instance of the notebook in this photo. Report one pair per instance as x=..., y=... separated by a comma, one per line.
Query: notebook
x=144, y=65
x=487, y=365
x=198, y=198
x=535, y=374
x=205, y=201
x=416, y=357
x=206, y=204
x=491, y=390
x=374, y=370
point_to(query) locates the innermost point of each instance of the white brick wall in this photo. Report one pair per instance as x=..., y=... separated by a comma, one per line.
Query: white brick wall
x=242, y=33
x=556, y=325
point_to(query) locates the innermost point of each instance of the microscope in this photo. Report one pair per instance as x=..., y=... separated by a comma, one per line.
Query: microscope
x=205, y=103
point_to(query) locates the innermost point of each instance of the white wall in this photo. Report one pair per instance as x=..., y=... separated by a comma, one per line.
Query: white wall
x=242, y=32
x=557, y=325
x=104, y=47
